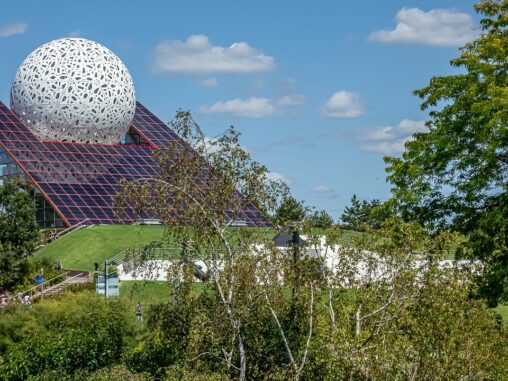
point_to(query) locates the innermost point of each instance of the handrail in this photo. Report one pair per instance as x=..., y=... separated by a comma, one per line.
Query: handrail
x=67, y=280
x=65, y=231
x=41, y=286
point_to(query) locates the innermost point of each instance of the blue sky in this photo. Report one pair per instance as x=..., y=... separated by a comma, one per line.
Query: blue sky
x=321, y=91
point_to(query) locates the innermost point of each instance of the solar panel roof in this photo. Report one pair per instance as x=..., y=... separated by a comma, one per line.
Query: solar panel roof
x=80, y=180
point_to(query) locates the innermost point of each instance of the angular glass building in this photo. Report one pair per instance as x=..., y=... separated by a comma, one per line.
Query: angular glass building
x=75, y=130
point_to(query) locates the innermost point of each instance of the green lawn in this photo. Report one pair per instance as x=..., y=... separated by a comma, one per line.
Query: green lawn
x=81, y=249
x=149, y=292
x=145, y=292
x=502, y=309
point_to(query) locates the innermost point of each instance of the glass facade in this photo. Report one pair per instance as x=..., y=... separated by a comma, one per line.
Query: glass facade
x=8, y=168
x=81, y=180
x=45, y=214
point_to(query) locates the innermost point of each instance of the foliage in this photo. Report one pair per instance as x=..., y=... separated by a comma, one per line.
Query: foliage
x=319, y=219
x=18, y=233
x=116, y=373
x=363, y=215
x=322, y=311
x=67, y=336
x=290, y=211
x=301, y=321
x=26, y=272
x=18, y=229
x=202, y=219
x=456, y=172
x=12, y=270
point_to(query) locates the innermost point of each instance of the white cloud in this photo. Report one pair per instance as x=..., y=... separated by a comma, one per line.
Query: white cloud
x=390, y=139
x=322, y=189
x=380, y=133
x=7, y=30
x=325, y=191
x=211, y=145
x=412, y=126
x=274, y=176
x=385, y=148
x=438, y=27
x=292, y=100
x=210, y=82
x=197, y=55
x=343, y=104
x=253, y=107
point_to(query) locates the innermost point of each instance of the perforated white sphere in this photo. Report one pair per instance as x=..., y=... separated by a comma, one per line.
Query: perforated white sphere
x=73, y=89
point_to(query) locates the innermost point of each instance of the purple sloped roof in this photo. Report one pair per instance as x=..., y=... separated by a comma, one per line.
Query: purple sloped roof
x=81, y=180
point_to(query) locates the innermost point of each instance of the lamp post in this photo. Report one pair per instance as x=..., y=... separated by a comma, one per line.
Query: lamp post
x=106, y=278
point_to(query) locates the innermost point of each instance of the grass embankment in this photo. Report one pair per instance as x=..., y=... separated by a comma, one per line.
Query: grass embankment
x=502, y=310
x=79, y=250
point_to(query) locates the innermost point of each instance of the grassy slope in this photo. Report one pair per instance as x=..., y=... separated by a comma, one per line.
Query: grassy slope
x=81, y=249
x=503, y=311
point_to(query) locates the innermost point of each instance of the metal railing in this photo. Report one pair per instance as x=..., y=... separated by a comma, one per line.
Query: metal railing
x=47, y=286
x=74, y=227
x=35, y=291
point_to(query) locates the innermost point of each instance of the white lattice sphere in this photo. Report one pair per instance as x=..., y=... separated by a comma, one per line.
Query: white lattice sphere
x=73, y=89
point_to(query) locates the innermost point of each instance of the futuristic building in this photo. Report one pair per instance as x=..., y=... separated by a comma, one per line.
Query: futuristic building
x=75, y=130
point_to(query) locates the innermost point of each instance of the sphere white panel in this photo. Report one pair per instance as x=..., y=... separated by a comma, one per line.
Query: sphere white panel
x=73, y=89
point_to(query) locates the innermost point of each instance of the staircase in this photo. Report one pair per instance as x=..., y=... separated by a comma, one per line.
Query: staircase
x=55, y=286
x=71, y=277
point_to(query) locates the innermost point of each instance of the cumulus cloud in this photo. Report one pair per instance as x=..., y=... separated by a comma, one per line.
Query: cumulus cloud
x=437, y=27
x=197, y=55
x=343, y=104
x=390, y=139
x=275, y=176
x=7, y=30
x=211, y=145
x=253, y=107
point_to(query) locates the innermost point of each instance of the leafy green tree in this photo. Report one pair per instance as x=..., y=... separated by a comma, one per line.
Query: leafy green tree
x=290, y=211
x=63, y=338
x=361, y=215
x=322, y=311
x=12, y=270
x=319, y=219
x=18, y=228
x=355, y=214
x=202, y=222
x=456, y=173
x=18, y=232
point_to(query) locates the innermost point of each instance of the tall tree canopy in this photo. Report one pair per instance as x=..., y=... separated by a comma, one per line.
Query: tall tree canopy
x=363, y=215
x=456, y=173
x=18, y=228
x=290, y=211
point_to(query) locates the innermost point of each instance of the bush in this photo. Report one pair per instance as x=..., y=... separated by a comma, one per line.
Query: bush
x=71, y=335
